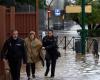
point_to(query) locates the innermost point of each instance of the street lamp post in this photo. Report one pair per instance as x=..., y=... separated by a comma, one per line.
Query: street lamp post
x=48, y=3
x=48, y=17
x=83, y=36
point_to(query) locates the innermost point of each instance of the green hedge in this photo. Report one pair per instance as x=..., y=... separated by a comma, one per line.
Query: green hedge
x=91, y=33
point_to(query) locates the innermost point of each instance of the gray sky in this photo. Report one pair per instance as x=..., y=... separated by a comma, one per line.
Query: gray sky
x=58, y=4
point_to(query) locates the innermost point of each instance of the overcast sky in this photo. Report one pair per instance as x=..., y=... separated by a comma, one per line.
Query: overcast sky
x=58, y=3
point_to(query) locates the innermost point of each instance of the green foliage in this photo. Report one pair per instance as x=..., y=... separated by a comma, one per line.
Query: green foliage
x=91, y=33
x=93, y=17
x=80, y=1
x=94, y=33
x=42, y=4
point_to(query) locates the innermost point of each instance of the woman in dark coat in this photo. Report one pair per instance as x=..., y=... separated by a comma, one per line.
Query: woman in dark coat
x=50, y=44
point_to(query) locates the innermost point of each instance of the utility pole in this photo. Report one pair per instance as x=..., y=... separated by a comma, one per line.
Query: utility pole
x=83, y=34
x=48, y=17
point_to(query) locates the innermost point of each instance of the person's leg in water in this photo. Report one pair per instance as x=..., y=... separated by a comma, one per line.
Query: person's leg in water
x=47, y=66
x=33, y=69
x=53, y=66
x=28, y=66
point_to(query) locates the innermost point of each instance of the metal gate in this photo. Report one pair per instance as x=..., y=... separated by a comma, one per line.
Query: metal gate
x=66, y=42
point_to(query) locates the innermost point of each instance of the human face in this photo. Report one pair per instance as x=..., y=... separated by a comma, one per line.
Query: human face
x=50, y=33
x=32, y=35
x=15, y=35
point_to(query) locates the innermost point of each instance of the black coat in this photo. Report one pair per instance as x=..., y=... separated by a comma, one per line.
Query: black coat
x=95, y=46
x=50, y=44
x=14, y=49
x=78, y=48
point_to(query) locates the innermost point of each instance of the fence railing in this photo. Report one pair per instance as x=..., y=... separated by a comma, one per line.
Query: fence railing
x=68, y=43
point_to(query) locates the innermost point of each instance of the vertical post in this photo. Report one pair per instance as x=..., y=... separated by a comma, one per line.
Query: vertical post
x=87, y=45
x=37, y=18
x=48, y=16
x=65, y=43
x=2, y=25
x=73, y=44
x=83, y=37
x=12, y=18
x=2, y=38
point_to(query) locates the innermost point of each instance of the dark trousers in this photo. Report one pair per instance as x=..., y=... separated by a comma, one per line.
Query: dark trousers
x=95, y=52
x=30, y=67
x=51, y=62
x=15, y=67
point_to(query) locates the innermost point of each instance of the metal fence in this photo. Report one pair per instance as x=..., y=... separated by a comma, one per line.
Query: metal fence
x=68, y=43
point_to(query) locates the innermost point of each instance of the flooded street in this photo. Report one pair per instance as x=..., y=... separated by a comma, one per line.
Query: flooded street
x=72, y=67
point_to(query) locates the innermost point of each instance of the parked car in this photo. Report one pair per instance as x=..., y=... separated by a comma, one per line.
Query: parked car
x=58, y=26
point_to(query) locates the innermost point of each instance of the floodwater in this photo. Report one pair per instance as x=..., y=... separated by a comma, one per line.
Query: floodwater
x=72, y=67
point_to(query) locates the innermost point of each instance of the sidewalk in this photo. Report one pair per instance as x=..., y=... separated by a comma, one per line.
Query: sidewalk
x=72, y=67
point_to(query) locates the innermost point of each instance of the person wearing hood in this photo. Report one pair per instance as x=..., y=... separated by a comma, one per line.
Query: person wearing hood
x=34, y=55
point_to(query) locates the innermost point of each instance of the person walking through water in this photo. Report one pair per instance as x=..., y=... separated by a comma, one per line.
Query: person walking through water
x=14, y=51
x=50, y=45
x=34, y=55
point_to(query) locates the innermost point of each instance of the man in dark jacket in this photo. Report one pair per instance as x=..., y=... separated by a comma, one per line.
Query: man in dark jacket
x=14, y=51
x=50, y=44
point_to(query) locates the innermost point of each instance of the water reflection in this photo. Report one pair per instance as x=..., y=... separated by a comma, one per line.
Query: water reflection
x=79, y=57
x=96, y=59
x=74, y=67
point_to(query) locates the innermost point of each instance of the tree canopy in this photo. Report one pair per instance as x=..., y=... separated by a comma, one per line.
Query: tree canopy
x=94, y=17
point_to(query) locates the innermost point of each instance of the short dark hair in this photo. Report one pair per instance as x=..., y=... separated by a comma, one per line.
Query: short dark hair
x=50, y=30
x=14, y=30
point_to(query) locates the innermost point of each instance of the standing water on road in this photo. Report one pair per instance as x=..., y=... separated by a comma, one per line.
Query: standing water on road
x=72, y=67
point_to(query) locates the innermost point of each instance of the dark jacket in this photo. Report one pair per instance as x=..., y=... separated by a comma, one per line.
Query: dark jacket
x=50, y=44
x=14, y=50
x=78, y=48
x=95, y=46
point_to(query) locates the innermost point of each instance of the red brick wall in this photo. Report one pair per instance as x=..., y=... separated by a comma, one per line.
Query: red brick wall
x=2, y=38
x=23, y=22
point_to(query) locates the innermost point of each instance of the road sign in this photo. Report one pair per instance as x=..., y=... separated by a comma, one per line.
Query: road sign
x=78, y=9
x=57, y=12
